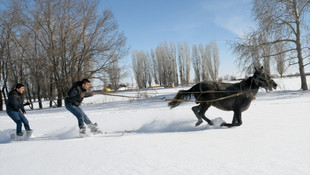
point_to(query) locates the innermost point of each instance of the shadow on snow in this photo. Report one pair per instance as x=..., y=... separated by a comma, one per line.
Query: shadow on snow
x=155, y=126
x=178, y=126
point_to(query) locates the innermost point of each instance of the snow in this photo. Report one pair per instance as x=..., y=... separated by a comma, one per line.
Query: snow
x=144, y=136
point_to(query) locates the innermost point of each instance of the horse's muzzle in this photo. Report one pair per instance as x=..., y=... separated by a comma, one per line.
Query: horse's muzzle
x=274, y=84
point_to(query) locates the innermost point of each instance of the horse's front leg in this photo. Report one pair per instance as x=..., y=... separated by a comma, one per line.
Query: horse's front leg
x=237, y=120
x=237, y=115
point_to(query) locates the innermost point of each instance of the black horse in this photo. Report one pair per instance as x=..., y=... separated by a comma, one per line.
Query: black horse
x=225, y=96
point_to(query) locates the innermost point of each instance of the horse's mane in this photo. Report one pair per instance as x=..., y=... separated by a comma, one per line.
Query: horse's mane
x=245, y=83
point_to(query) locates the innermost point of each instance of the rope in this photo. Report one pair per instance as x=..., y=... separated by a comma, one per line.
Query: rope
x=201, y=92
x=116, y=95
x=170, y=99
x=209, y=92
x=209, y=101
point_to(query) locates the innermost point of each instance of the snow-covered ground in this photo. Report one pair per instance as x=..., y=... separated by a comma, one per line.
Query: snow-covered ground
x=145, y=137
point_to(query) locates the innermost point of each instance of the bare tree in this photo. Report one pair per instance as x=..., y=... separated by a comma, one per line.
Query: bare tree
x=175, y=76
x=49, y=44
x=213, y=60
x=196, y=61
x=216, y=60
x=78, y=42
x=137, y=68
x=3, y=59
x=280, y=59
x=148, y=69
x=267, y=58
x=205, y=54
x=3, y=39
x=280, y=21
x=188, y=63
x=167, y=64
x=11, y=57
x=206, y=62
x=159, y=54
x=115, y=74
x=141, y=62
x=155, y=67
x=182, y=62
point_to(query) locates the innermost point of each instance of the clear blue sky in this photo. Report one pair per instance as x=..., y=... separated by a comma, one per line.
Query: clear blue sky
x=146, y=23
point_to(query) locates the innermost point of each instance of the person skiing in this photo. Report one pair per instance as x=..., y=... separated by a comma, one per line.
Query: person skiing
x=73, y=101
x=15, y=110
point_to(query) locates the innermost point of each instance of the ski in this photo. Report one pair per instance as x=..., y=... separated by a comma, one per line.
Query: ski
x=26, y=135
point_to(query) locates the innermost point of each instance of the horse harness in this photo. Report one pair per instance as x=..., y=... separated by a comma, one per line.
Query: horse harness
x=241, y=92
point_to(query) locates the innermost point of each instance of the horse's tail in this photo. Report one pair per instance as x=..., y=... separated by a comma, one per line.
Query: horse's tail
x=180, y=97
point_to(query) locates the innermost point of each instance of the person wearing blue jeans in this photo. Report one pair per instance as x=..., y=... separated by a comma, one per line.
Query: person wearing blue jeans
x=79, y=114
x=15, y=109
x=73, y=101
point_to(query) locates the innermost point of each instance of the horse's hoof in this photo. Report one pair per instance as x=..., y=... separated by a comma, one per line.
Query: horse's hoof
x=224, y=124
x=210, y=123
x=198, y=123
x=227, y=125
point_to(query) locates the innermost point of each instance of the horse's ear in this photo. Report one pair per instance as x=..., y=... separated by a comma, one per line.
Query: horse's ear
x=255, y=68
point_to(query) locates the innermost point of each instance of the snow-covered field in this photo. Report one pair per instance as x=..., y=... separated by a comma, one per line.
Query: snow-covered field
x=145, y=137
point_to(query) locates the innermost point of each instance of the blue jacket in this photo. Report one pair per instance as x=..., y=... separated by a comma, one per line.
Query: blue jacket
x=74, y=94
x=15, y=102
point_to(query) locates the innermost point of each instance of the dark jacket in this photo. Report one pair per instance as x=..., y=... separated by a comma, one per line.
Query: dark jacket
x=15, y=102
x=74, y=94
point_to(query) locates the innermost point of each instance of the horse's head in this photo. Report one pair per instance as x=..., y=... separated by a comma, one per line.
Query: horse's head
x=262, y=79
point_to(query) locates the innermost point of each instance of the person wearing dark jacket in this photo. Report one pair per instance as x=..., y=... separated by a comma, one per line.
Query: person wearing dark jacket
x=15, y=109
x=73, y=101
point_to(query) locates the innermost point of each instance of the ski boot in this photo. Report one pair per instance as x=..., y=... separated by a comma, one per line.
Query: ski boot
x=18, y=136
x=82, y=130
x=94, y=128
x=29, y=133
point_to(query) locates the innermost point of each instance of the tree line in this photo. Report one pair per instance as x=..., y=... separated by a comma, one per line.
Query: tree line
x=280, y=40
x=47, y=45
x=170, y=64
x=282, y=36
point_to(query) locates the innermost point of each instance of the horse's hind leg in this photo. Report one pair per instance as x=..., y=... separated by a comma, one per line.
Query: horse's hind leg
x=204, y=108
x=196, y=110
x=200, y=111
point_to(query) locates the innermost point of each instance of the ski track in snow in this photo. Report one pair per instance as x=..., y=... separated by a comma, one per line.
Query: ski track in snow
x=144, y=136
